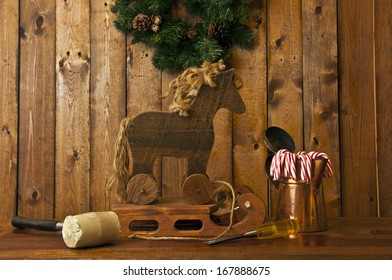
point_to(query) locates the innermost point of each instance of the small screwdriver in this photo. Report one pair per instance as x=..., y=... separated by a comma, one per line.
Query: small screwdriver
x=267, y=231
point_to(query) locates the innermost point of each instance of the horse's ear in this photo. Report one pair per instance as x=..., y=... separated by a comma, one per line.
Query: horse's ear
x=228, y=74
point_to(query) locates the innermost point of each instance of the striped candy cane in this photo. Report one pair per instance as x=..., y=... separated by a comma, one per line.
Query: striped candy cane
x=291, y=165
x=306, y=166
x=276, y=164
x=283, y=165
x=328, y=170
x=286, y=165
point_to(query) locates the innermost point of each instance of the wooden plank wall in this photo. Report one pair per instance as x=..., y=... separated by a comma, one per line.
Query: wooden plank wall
x=108, y=99
x=37, y=111
x=320, y=69
x=9, y=76
x=383, y=69
x=320, y=90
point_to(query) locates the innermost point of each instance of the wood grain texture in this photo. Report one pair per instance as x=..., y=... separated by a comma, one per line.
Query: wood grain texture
x=108, y=98
x=142, y=189
x=220, y=163
x=9, y=17
x=357, y=108
x=285, y=74
x=144, y=88
x=320, y=87
x=72, y=107
x=352, y=239
x=37, y=107
x=383, y=67
x=249, y=152
x=174, y=170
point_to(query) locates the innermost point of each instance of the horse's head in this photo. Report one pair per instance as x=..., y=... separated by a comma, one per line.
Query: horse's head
x=229, y=96
x=206, y=90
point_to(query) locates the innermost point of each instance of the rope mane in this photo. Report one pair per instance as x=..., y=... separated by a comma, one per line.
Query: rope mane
x=187, y=85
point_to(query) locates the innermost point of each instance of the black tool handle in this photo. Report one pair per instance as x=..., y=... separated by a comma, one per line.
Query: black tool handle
x=30, y=223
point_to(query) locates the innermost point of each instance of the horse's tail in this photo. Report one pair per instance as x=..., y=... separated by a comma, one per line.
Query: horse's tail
x=121, y=163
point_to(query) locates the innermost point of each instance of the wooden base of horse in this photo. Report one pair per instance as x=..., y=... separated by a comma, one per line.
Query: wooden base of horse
x=176, y=218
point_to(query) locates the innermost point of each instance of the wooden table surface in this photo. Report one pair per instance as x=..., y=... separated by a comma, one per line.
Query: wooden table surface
x=346, y=238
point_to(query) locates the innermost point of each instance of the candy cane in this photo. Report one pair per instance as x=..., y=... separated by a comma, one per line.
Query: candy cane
x=306, y=166
x=328, y=170
x=283, y=164
x=286, y=165
x=292, y=165
x=275, y=165
x=280, y=163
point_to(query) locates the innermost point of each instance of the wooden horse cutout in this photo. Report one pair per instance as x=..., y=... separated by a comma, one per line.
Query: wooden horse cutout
x=155, y=134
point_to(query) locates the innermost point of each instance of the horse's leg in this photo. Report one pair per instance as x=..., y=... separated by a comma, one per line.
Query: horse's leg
x=142, y=163
x=197, y=163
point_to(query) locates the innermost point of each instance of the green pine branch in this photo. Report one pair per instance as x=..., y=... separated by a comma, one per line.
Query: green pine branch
x=174, y=48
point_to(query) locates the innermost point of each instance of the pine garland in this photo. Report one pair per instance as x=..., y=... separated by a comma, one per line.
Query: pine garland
x=179, y=44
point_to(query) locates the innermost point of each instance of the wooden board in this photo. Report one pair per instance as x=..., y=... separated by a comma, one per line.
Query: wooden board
x=143, y=87
x=351, y=239
x=108, y=98
x=220, y=164
x=72, y=107
x=285, y=77
x=37, y=107
x=9, y=30
x=249, y=152
x=383, y=79
x=174, y=170
x=357, y=108
x=320, y=87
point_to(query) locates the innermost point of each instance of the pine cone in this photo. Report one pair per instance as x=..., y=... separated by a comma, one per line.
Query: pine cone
x=155, y=28
x=218, y=32
x=156, y=19
x=156, y=23
x=191, y=33
x=141, y=22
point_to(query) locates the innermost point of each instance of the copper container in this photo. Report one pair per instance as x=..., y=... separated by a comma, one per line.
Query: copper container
x=304, y=201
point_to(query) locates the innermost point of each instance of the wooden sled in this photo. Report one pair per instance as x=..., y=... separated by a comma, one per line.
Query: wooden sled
x=178, y=218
